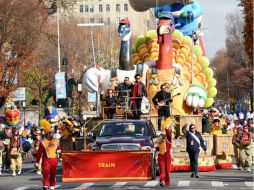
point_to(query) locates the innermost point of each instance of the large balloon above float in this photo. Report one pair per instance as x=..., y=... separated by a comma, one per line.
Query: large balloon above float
x=172, y=55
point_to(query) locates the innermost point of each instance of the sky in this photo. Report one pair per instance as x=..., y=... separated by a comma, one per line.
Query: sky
x=214, y=13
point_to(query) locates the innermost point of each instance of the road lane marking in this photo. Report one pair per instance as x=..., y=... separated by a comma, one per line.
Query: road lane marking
x=151, y=183
x=84, y=186
x=26, y=187
x=183, y=183
x=217, y=184
x=119, y=184
x=248, y=184
x=22, y=188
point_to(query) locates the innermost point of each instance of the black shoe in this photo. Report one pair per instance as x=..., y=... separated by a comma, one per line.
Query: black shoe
x=162, y=184
x=192, y=175
x=196, y=176
x=44, y=188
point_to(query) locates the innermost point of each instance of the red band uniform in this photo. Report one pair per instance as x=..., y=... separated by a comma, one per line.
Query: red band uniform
x=164, y=156
x=48, y=151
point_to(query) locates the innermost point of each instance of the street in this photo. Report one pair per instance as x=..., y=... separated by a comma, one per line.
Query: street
x=219, y=179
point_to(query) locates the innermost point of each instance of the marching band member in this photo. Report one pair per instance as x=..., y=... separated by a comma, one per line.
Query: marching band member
x=162, y=97
x=48, y=149
x=164, y=157
x=35, y=148
x=15, y=148
x=245, y=149
x=236, y=143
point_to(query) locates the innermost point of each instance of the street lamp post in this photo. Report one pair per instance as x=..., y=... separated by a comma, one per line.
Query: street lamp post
x=94, y=58
x=80, y=91
x=24, y=108
x=66, y=64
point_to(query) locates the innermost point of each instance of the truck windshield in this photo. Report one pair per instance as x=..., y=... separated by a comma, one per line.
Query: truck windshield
x=123, y=129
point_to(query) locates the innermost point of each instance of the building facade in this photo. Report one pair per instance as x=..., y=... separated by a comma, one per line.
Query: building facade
x=110, y=12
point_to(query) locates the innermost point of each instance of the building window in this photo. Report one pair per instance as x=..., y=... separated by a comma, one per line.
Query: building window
x=108, y=8
x=91, y=9
x=81, y=8
x=100, y=8
x=100, y=20
x=86, y=8
x=108, y=21
x=91, y=20
x=125, y=7
x=118, y=8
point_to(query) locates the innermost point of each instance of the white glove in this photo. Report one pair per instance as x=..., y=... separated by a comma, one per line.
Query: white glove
x=58, y=151
x=196, y=96
x=95, y=78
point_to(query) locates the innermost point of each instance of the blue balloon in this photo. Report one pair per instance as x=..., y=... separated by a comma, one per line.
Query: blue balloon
x=189, y=20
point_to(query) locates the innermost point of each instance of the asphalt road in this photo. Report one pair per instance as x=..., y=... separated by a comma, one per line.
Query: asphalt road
x=226, y=179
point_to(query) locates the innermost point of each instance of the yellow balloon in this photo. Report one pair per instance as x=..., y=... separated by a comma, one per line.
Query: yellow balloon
x=209, y=102
x=212, y=92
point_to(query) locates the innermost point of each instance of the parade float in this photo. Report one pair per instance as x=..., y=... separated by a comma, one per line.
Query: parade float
x=173, y=55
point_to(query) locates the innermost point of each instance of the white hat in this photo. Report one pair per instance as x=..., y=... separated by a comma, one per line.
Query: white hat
x=235, y=117
x=247, y=115
x=241, y=116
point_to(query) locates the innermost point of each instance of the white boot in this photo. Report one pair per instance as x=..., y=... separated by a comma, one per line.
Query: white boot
x=248, y=170
x=14, y=173
x=52, y=188
x=19, y=172
x=38, y=172
x=241, y=168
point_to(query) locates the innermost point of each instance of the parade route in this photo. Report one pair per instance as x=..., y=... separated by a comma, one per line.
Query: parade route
x=232, y=179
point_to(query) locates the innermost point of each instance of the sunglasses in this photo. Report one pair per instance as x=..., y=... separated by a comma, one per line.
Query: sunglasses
x=138, y=78
x=192, y=127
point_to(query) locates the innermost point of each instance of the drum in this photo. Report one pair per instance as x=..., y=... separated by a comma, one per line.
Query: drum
x=14, y=152
x=145, y=105
x=26, y=146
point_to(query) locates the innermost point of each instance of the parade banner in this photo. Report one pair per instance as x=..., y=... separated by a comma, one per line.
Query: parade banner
x=19, y=94
x=60, y=85
x=97, y=166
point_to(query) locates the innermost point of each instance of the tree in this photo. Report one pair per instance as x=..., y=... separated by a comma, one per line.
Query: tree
x=36, y=83
x=234, y=72
x=248, y=28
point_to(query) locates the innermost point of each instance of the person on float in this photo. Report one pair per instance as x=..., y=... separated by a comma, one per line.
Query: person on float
x=163, y=97
x=245, y=147
x=15, y=148
x=205, y=122
x=37, y=139
x=216, y=127
x=124, y=90
x=164, y=148
x=111, y=102
x=194, y=143
x=138, y=91
x=47, y=151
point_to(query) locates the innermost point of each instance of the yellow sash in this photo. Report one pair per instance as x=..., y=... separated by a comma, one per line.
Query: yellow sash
x=50, y=147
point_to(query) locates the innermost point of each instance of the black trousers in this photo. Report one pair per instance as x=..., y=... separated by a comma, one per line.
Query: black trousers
x=136, y=107
x=194, y=161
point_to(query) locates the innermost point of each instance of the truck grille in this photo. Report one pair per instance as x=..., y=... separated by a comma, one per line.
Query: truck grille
x=120, y=147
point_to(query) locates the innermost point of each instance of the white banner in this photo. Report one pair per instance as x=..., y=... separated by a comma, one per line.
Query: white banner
x=19, y=94
x=60, y=85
